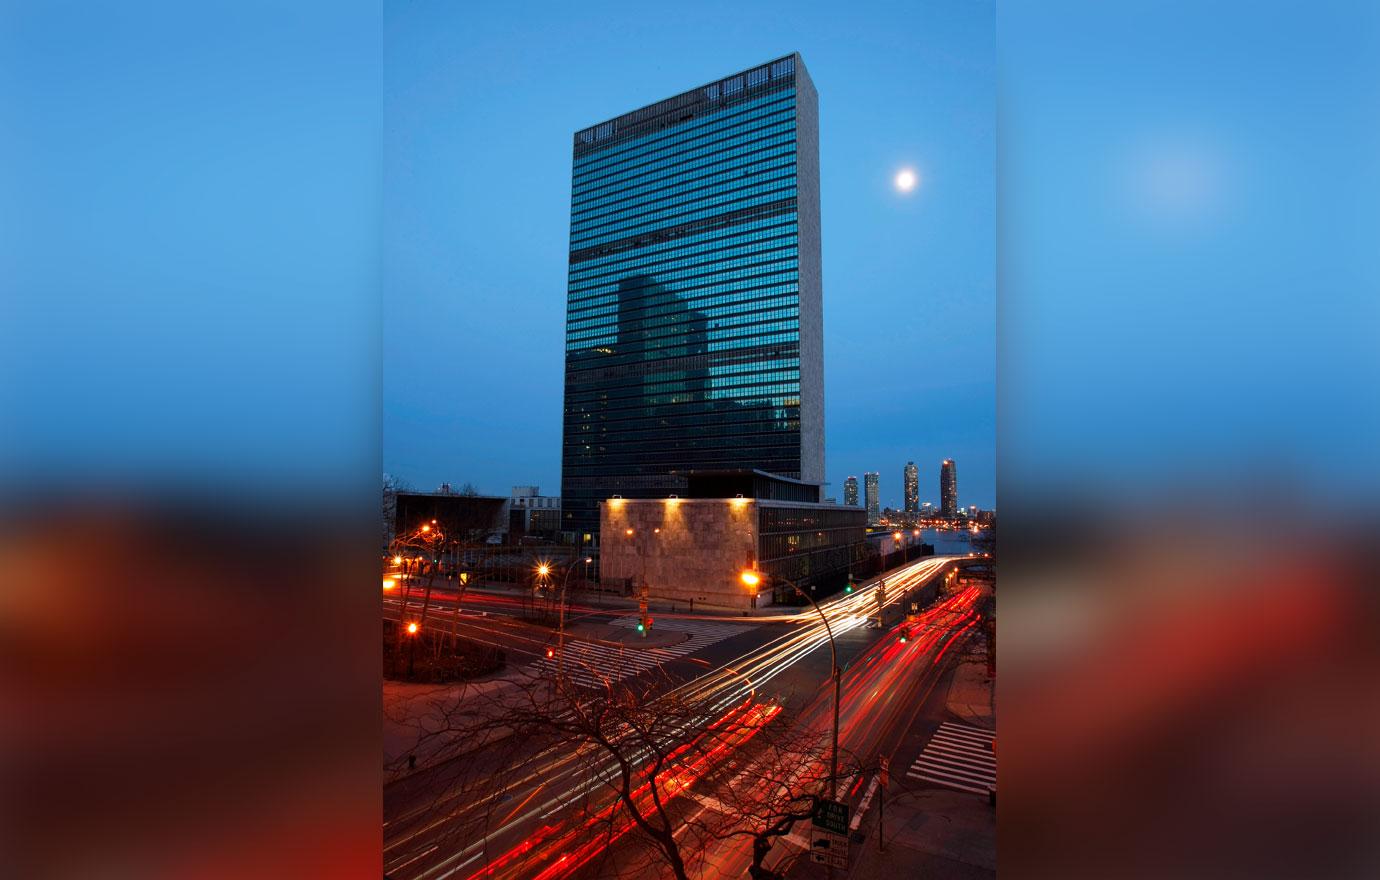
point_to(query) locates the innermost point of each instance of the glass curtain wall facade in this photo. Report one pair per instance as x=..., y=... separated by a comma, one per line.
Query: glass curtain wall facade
x=850, y=491
x=694, y=330
x=912, y=478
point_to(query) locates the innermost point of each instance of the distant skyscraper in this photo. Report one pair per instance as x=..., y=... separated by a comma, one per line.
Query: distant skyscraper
x=850, y=491
x=870, y=496
x=948, y=490
x=912, y=483
x=694, y=324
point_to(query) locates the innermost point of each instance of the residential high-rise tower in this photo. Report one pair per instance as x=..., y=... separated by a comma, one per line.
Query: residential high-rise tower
x=872, y=499
x=948, y=490
x=912, y=483
x=694, y=323
x=850, y=491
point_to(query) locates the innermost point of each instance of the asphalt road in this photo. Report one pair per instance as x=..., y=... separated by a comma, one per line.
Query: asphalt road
x=440, y=824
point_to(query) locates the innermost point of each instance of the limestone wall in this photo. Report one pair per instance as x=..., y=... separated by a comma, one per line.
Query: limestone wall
x=685, y=548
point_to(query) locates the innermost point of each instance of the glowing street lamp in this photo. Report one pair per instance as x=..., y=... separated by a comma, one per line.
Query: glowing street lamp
x=752, y=579
x=412, y=628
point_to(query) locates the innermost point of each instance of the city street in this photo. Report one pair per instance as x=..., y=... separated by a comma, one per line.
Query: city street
x=554, y=814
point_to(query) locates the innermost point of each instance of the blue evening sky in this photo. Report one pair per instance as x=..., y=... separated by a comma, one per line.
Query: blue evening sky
x=480, y=103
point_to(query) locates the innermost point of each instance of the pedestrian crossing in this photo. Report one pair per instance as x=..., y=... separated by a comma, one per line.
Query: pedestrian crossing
x=594, y=665
x=702, y=633
x=958, y=756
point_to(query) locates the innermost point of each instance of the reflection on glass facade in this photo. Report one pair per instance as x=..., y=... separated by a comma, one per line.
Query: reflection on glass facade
x=694, y=329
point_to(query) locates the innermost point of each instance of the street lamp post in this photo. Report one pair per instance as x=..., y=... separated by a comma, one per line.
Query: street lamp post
x=560, y=627
x=752, y=579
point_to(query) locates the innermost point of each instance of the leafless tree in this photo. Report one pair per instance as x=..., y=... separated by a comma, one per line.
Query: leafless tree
x=391, y=487
x=671, y=770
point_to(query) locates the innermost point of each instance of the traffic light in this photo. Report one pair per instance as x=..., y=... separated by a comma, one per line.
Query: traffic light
x=641, y=627
x=849, y=587
x=905, y=636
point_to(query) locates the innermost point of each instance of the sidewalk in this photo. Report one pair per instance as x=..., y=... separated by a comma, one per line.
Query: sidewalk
x=412, y=711
x=931, y=832
x=613, y=601
x=972, y=694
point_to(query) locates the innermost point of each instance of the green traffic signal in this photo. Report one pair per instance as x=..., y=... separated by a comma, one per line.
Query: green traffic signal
x=640, y=628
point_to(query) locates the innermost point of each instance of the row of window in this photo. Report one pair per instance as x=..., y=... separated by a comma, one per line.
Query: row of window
x=753, y=141
x=778, y=284
x=777, y=519
x=676, y=176
x=600, y=399
x=671, y=204
x=683, y=302
x=744, y=389
x=678, y=339
x=586, y=161
x=653, y=319
x=675, y=279
x=587, y=416
x=781, y=237
x=701, y=127
x=742, y=231
x=776, y=456
x=720, y=205
x=772, y=546
x=635, y=379
x=714, y=373
x=745, y=168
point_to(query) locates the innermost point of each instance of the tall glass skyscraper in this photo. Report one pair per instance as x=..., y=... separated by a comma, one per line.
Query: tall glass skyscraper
x=912, y=484
x=948, y=489
x=872, y=496
x=694, y=323
x=850, y=491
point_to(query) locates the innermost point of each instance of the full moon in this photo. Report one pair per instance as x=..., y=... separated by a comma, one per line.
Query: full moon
x=906, y=180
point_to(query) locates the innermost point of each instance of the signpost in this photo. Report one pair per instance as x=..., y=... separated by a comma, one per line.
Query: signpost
x=829, y=834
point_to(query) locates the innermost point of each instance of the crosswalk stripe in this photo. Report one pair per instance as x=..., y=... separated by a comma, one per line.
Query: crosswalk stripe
x=966, y=733
x=964, y=749
x=958, y=756
x=943, y=770
x=948, y=782
x=946, y=770
x=962, y=759
x=937, y=763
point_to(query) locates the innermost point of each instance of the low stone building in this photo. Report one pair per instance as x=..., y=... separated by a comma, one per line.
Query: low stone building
x=696, y=549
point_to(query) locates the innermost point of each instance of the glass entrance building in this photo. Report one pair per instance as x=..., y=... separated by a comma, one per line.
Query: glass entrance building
x=694, y=324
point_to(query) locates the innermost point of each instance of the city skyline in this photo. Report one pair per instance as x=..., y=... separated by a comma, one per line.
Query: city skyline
x=452, y=275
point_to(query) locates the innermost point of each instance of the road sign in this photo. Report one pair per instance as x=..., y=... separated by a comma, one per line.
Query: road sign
x=828, y=848
x=830, y=816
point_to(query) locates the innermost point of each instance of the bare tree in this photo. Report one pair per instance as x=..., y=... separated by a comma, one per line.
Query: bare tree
x=391, y=487
x=668, y=772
